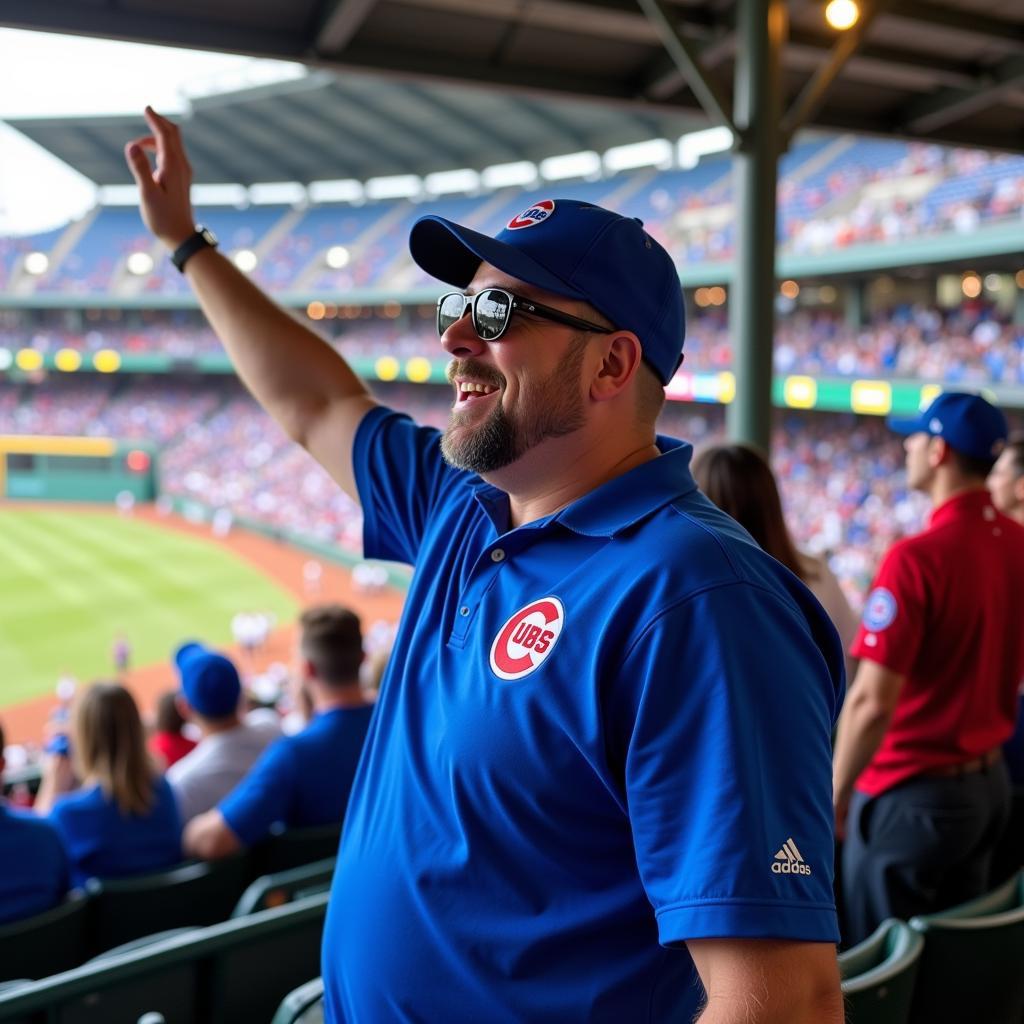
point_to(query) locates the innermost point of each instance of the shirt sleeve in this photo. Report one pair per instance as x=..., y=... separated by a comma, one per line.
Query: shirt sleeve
x=263, y=797
x=399, y=473
x=728, y=768
x=893, y=623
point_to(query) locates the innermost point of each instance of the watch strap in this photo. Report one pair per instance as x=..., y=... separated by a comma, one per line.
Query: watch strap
x=201, y=238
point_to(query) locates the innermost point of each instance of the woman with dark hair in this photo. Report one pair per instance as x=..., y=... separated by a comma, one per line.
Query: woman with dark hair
x=123, y=819
x=740, y=482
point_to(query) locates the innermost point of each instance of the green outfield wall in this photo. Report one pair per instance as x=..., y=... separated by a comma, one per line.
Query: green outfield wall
x=93, y=469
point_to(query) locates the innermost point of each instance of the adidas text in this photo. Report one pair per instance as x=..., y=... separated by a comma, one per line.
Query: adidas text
x=788, y=868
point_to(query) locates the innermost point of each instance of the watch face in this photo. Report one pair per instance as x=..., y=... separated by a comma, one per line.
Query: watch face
x=211, y=238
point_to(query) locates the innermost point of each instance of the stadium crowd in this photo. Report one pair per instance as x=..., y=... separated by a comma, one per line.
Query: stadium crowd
x=973, y=343
x=215, y=775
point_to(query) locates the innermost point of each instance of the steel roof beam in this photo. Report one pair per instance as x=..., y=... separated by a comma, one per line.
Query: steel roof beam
x=948, y=105
x=338, y=24
x=687, y=58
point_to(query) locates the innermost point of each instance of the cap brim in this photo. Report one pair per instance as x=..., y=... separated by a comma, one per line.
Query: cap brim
x=905, y=425
x=453, y=253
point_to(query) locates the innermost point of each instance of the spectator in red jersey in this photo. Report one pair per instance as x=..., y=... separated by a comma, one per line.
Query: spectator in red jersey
x=169, y=744
x=920, y=787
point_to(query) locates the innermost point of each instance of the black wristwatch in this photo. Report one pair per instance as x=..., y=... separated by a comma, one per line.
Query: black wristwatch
x=202, y=238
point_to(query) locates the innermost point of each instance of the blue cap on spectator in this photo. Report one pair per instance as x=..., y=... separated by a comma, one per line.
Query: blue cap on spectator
x=965, y=422
x=577, y=250
x=209, y=681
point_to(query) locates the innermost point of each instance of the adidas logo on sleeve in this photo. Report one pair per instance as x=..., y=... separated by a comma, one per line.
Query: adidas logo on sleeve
x=789, y=860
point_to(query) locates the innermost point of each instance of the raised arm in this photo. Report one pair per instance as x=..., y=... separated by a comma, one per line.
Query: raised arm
x=292, y=372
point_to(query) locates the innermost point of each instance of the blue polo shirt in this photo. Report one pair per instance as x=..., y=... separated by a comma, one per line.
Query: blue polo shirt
x=300, y=780
x=104, y=843
x=33, y=865
x=599, y=735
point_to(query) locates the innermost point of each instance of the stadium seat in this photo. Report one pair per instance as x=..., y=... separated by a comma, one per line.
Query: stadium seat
x=143, y=943
x=193, y=894
x=285, y=887
x=47, y=943
x=228, y=972
x=295, y=847
x=972, y=968
x=303, y=1006
x=878, y=975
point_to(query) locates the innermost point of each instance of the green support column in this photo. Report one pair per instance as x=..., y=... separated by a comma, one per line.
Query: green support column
x=855, y=314
x=760, y=32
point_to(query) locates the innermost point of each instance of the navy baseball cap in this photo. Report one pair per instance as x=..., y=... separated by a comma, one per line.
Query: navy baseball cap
x=577, y=250
x=965, y=422
x=209, y=681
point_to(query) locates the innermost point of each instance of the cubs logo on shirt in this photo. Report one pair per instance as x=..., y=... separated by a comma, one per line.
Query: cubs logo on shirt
x=879, y=609
x=536, y=214
x=527, y=639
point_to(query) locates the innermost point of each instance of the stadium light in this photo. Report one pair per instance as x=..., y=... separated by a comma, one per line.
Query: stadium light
x=344, y=190
x=694, y=145
x=790, y=289
x=521, y=172
x=970, y=285
x=653, y=153
x=337, y=257
x=442, y=183
x=245, y=260
x=277, y=193
x=37, y=263
x=842, y=14
x=394, y=186
x=140, y=264
x=993, y=282
x=1019, y=278
x=571, y=165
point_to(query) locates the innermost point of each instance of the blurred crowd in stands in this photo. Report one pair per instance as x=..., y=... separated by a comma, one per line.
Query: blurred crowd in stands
x=841, y=476
x=218, y=768
x=834, y=192
x=973, y=343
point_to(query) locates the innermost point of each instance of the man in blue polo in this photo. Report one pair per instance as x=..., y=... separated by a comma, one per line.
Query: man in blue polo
x=596, y=787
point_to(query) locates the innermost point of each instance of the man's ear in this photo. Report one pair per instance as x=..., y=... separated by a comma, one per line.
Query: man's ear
x=183, y=706
x=620, y=360
x=938, y=452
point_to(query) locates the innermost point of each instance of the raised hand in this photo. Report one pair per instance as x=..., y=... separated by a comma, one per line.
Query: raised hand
x=164, y=190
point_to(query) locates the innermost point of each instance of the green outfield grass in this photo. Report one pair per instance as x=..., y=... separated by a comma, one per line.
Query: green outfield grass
x=69, y=581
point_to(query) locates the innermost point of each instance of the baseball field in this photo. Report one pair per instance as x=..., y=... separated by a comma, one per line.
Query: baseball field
x=71, y=579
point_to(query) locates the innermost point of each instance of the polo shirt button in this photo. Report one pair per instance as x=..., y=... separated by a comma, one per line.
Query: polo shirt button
x=464, y=611
x=497, y=555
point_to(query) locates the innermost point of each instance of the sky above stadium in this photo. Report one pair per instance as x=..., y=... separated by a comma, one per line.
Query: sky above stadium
x=37, y=191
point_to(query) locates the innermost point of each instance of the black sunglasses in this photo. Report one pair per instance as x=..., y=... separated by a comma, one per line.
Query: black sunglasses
x=492, y=310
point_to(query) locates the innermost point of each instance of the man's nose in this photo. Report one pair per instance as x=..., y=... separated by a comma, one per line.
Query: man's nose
x=461, y=339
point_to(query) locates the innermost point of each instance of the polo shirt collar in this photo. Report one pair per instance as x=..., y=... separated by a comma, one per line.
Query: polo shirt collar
x=969, y=504
x=615, y=505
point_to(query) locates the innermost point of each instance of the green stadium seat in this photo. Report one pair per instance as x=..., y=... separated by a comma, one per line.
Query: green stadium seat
x=972, y=968
x=196, y=894
x=303, y=1006
x=294, y=847
x=235, y=971
x=285, y=887
x=878, y=974
x=46, y=943
x=143, y=943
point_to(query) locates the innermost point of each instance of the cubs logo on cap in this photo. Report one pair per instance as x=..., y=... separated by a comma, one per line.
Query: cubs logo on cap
x=536, y=214
x=527, y=639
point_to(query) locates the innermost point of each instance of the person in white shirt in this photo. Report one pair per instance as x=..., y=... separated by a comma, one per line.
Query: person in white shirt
x=210, y=698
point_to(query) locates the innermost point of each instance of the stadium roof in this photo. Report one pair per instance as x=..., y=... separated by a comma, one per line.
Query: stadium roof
x=327, y=126
x=949, y=71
